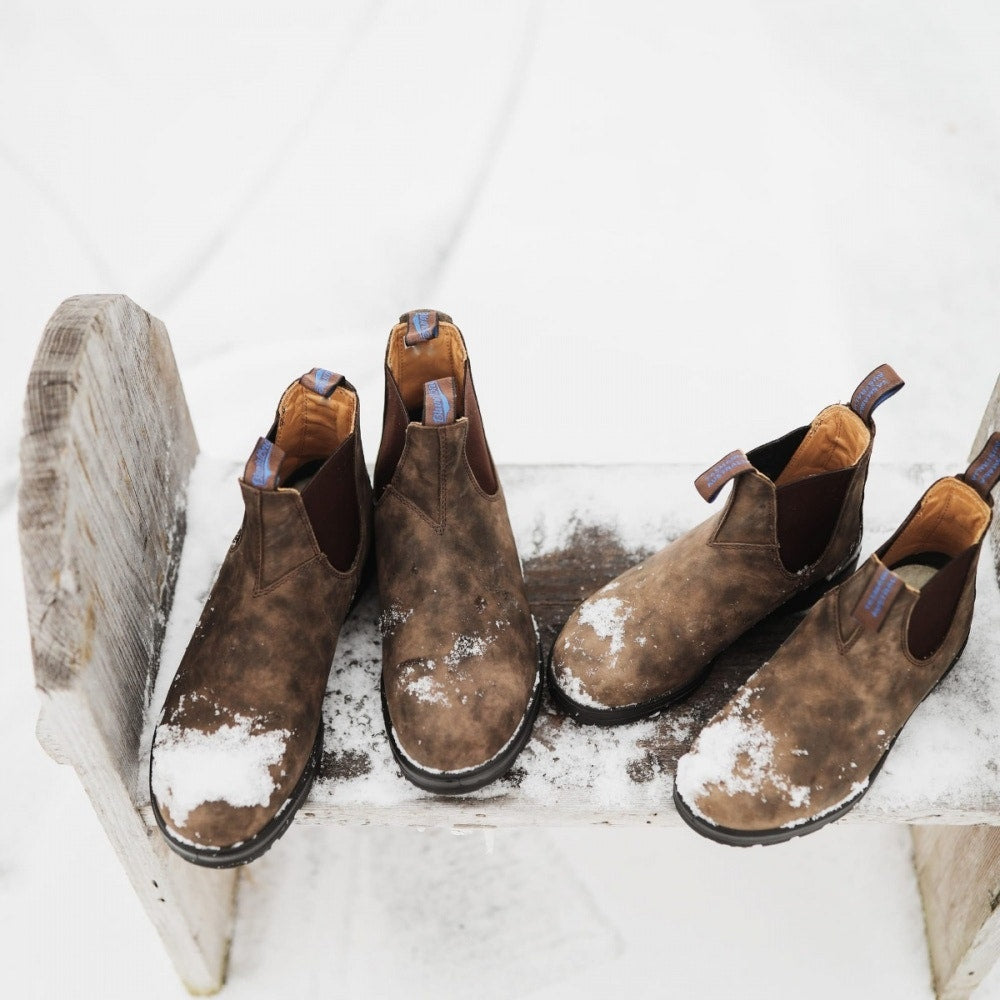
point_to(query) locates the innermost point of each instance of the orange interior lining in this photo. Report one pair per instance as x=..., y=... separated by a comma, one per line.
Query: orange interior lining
x=311, y=426
x=836, y=439
x=952, y=516
x=441, y=357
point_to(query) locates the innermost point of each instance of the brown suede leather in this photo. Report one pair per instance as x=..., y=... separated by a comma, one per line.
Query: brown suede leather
x=649, y=635
x=459, y=649
x=260, y=655
x=804, y=736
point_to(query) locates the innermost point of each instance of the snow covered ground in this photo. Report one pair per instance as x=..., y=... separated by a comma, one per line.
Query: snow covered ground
x=667, y=231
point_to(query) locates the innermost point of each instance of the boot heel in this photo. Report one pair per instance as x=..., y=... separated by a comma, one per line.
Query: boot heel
x=808, y=597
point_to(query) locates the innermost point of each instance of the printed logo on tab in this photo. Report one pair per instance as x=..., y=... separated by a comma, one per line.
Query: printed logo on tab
x=874, y=390
x=984, y=472
x=873, y=608
x=262, y=467
x=421, y=326
x=322, y=381
x=439, y=401
x=709, y=484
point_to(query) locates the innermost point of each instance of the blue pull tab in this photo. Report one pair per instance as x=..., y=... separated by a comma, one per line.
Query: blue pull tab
x=439, y=401
x=421, y=326
x=263, y=465
x=322, y=381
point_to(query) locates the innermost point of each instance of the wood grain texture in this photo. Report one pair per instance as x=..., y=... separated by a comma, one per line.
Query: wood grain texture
x=107, y=451
x=990, y=423
x=958, y=871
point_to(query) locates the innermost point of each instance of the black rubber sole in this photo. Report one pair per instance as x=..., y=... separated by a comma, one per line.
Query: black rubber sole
x=252, y=848
x=462, y=782
x=754, y=838
x=641, y=710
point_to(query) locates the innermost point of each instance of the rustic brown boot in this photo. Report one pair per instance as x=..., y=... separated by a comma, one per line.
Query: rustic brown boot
x=460, y=671
x=790, y=530
x=801, y=742
x=241, y=731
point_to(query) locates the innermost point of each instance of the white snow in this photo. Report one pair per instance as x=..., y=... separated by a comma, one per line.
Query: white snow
x=392, y=616
x=427, y=689
x=573, y=686
x=232, y=765
x=857, y=787
x=693, y=247
x=467, y=647
x=736, y=754
x=607, y=617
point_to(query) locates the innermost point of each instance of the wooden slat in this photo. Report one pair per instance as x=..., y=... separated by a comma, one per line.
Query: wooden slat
x=958, y=871
x=105, y=458
x=958, y=868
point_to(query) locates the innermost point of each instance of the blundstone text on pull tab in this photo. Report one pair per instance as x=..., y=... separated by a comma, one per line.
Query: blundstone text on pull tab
x=262, y=466
x=439, y=401
x=874, y=390
x=421, y=326
x=709, y=484
x=322, y=381
x=984, y=472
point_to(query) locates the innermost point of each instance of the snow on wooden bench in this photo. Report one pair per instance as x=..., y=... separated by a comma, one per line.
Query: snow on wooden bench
x=103, y=510
x=942, y=770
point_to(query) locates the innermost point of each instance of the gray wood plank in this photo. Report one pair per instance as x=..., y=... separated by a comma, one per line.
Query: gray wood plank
x=105, y=458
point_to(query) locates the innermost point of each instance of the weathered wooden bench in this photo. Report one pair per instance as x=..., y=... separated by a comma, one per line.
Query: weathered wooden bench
x=106, y=458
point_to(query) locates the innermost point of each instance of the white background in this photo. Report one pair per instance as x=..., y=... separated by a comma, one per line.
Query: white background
x=667, y=230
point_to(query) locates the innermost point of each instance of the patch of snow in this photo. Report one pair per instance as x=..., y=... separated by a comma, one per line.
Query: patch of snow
x=428, y=690
x=607, y=617
x=574, y=689
x=736, y=754
x=231, y=765
x=391, y=617
x=466, y=647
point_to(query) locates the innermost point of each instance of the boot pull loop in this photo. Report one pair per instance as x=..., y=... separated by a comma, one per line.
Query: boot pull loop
x=439, y=401
x=984, y=470
x=421, y=326
x=709, y=484
x=322, y=381
x=263, y=465
x=875, y=389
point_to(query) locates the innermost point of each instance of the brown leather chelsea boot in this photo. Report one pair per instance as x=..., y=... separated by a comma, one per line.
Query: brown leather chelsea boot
x=790, y=530
x=801, y=742
x=241, y=731
x=461, y=683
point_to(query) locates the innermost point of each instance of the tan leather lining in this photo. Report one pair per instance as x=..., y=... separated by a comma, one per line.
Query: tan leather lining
x=836, y=439
x=412, y=367
x=311, y=426
x=951, y=517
